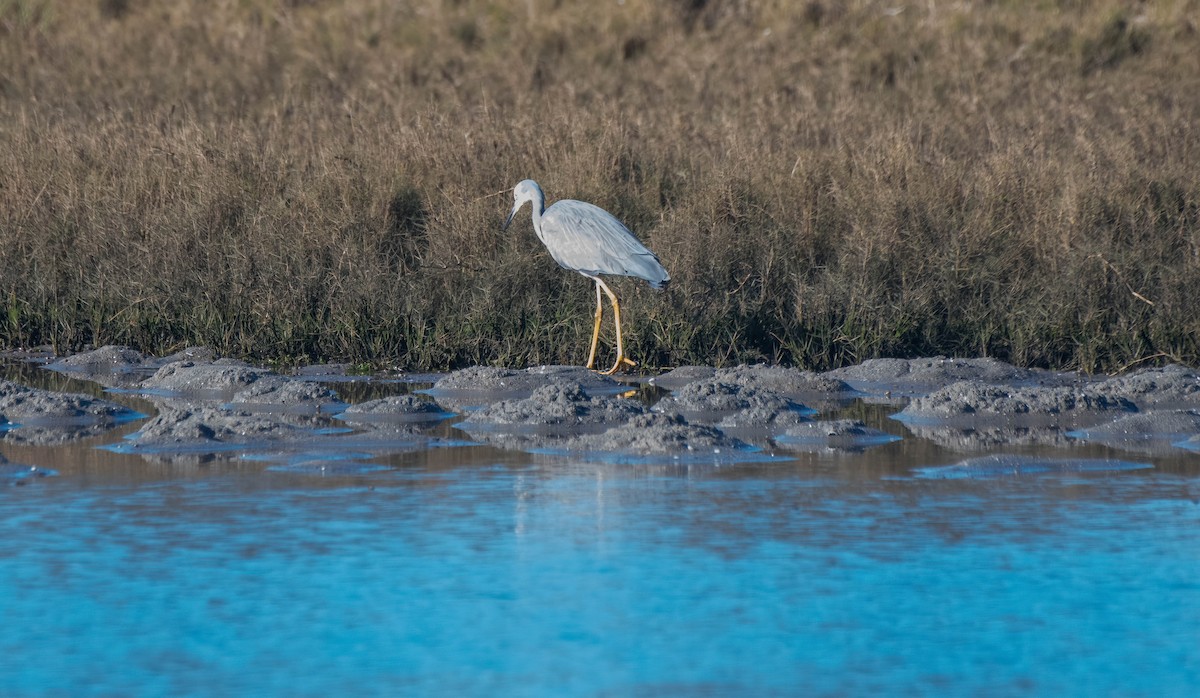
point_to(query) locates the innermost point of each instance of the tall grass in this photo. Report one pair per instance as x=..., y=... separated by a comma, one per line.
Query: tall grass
x=826, y=182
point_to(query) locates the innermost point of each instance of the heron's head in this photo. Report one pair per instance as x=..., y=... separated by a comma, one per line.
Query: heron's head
x=526, y=190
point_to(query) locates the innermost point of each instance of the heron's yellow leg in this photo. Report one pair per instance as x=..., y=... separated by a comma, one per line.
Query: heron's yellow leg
x=621, y=358
x=596, y=330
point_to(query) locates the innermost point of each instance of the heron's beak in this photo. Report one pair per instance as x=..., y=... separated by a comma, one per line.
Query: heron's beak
x=516, y=207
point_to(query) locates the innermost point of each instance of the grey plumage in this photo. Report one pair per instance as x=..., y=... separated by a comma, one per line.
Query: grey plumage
x=587, y=239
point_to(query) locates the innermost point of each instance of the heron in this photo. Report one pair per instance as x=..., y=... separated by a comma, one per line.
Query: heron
x=585, y=238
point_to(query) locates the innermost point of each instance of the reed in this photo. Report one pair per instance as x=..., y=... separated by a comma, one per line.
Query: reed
x=828, y=182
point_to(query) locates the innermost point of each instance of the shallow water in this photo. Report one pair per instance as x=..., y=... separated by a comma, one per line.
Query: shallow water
x=477, y=571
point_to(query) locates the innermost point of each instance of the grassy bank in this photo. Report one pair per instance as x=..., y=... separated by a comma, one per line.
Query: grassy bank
x=826, y=182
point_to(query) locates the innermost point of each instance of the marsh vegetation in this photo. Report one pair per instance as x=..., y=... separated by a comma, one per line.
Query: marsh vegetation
x=826, y=182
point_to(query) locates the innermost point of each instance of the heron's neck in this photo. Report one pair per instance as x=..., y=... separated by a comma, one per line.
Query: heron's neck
x=538, y=205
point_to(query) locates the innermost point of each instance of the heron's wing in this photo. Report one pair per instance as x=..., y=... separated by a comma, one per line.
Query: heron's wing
x=588, y=239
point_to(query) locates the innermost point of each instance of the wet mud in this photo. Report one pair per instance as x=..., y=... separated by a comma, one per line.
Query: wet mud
x=710, y=401
x=850, y=435
x=321, y=420
x=997, y=466
x=394, y=410
x=36, y=416
x=116, y=366
x=563, y=405
x=1153, y=432
x=919, y=377
x=971, y=402
x=651, y=437
x=774, y=379
x=481, y=385
x=1158, y=388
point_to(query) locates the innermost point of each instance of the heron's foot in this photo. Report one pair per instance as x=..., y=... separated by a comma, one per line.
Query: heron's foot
x=622, y=361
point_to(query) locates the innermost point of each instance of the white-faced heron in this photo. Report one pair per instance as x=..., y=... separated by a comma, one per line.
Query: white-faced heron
x=587, y=239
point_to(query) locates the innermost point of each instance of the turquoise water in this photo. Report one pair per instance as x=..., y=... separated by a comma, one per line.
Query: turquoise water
x=475, y=572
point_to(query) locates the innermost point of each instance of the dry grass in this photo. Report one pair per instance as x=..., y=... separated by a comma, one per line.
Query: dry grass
x=826, y=182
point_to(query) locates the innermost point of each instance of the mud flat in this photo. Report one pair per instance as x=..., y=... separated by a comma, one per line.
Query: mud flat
x=1155, y=432
x=200, y=434
x=751, y=414
x=561, y=418
x=972, y=415
x=228, y=409
x=117, y=366
x=996, y=466
x=219, y=408
x=657, y=439
x=681, y=376
x=216, y=380
x=919, y=377
x=848, y=435
x=273, y=393
x=1159, y=388
x=970, y=401
x=181, y=385
x=477, y=386
x=561, y=405
x=394, y=410
x=35, y=416
x=710, y=401
x=805, y=386
x=203, y=426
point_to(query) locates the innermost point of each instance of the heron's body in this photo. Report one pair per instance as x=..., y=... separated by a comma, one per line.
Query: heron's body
x=587, y=239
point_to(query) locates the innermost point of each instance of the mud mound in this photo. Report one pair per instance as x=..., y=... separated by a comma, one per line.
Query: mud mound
x=969, y=402
x=394, y=409
x=110, y=366
x=216, y=379
x=272, y=393
x=488, y=379
x=1174, y=423
x=118, y=366
x=784, y=381
x=931, y=370
x=19, y=402
x=838, y=434
x=197, y=354
x=199, y=425
x=106, y=359
x=656, y=434
x=922, y=376
x=471, y=388
x=559, y=404
x=1168, y=386
x=193, y=434
x=34, y=416
x=1146, y=432
x=732, y=404
x=679, y=377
